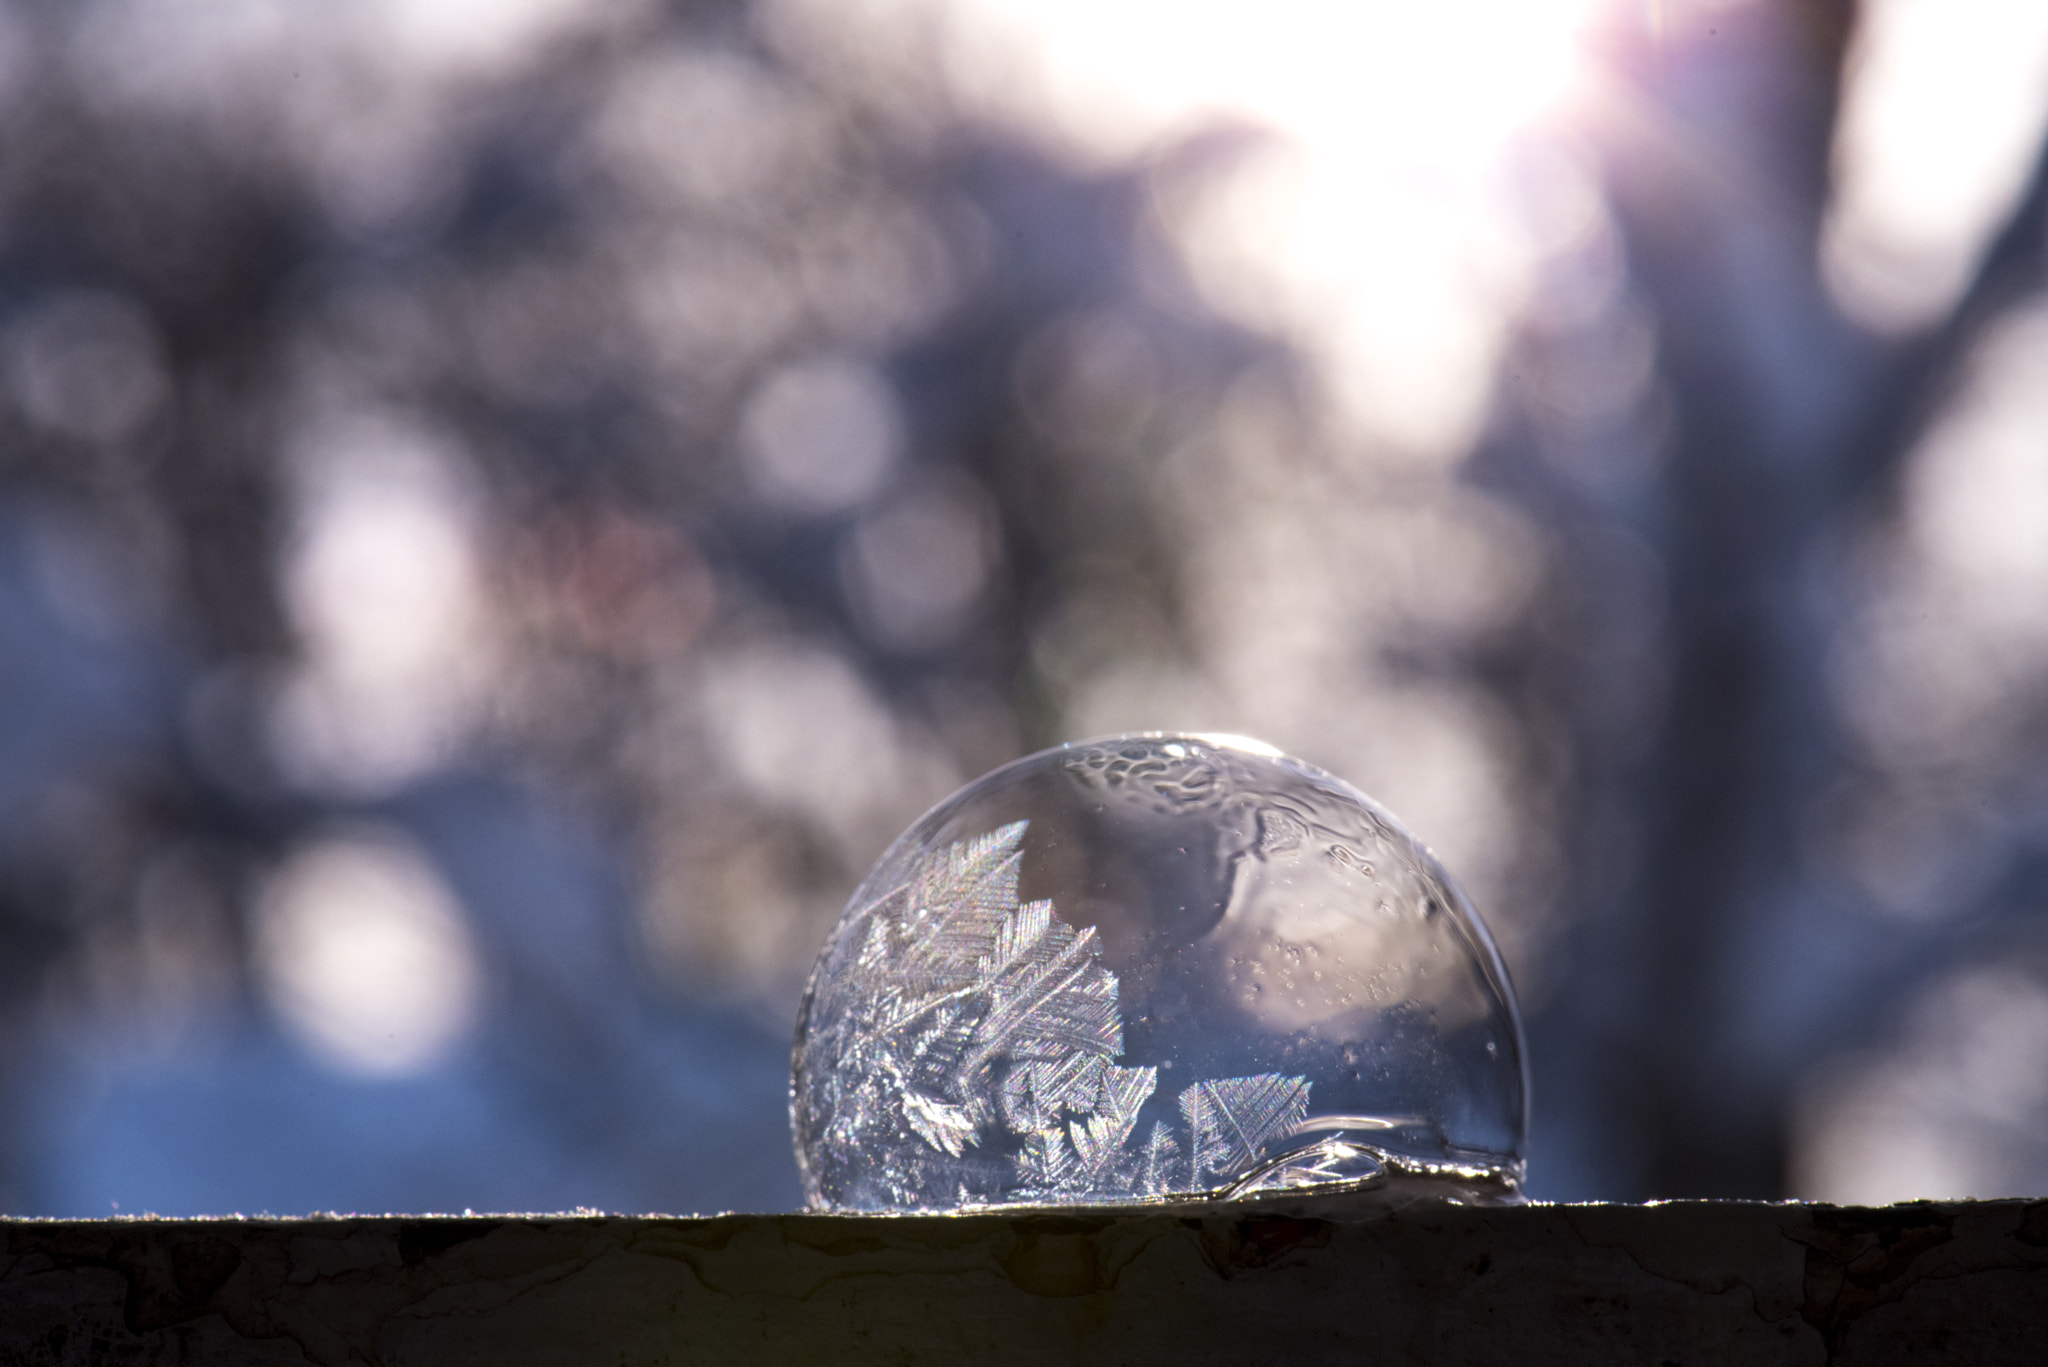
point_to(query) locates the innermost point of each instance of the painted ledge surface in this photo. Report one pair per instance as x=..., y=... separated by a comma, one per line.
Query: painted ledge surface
x=1668, y=1285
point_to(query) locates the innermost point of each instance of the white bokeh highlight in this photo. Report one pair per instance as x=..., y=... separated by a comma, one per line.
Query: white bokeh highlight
x=818, y=436
x=382, y=583
x=1943, y=107
x=1956, y=1111
x=366, y=956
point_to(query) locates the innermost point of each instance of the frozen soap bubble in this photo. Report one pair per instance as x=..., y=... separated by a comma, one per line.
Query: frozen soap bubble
x=1156, y=967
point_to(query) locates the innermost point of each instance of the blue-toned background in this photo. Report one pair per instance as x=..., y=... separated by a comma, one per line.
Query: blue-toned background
x=507, y=507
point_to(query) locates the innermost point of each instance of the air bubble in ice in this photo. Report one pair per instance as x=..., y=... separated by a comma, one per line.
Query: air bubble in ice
x=1155, y=967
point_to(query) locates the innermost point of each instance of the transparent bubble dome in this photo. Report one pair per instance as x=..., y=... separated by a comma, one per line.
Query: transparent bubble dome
x=1155, y=967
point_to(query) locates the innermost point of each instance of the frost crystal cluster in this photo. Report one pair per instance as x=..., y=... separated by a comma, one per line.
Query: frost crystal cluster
x=1147, y=968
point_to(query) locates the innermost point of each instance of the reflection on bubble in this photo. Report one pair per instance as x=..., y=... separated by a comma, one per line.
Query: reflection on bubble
x=1152, y=967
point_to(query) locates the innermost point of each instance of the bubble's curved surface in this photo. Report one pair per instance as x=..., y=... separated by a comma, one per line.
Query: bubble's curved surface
x=1150, y=967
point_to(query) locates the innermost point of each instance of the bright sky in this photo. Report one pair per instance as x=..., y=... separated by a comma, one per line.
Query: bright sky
x=1373, y=229
x=1441, y=82
x=1942, y=111
x=1379, y=235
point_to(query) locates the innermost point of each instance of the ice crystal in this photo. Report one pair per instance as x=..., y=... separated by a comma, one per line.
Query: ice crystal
x=1230, y=1120
x=961, y=1044
x=982, y=996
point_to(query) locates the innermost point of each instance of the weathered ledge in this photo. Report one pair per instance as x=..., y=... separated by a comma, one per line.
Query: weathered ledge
x=1667, y=1285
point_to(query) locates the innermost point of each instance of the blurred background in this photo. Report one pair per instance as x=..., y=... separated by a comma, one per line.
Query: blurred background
x=506, y=506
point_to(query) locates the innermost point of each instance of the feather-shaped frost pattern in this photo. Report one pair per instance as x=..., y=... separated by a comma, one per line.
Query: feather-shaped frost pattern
x=1098, y=1139
x=1046, y=986
x=977, y=1051
x=874, y=945
x=1049, y=1086
x=978, y=1011
x=1158, y=1167
x=951, y=1128
x=1045, y=1163
x=956, y=905
x=1019, y=933
x=1231, y=1119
